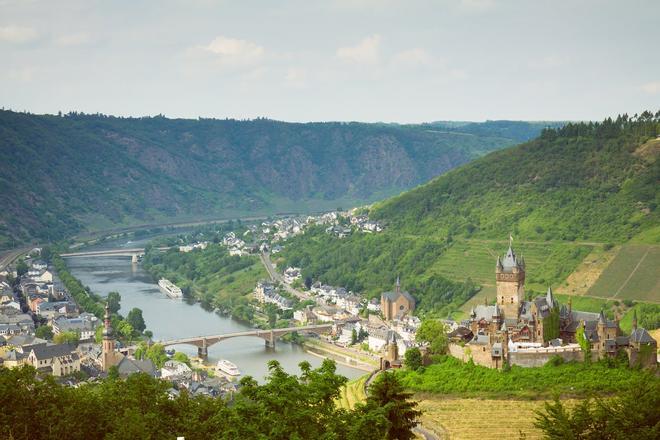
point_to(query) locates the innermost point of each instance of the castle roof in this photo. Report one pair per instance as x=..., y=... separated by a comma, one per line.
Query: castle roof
x=485, y=312
x=510, y=261
x=641, y=336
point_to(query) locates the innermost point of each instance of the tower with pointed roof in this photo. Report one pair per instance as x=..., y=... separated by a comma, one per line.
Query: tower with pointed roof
x=510, y=282
x=108, y=349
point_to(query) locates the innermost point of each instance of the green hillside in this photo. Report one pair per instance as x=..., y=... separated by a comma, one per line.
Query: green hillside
x=60, y=175
x=571, y=191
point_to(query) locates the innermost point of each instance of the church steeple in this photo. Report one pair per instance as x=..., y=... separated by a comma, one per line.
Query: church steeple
x=634, y=320
x=108, y=345
x=398, y=285
x=107, y=324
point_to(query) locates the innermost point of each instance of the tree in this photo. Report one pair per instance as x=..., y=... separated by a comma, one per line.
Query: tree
x=98, y=334
x=21, y=268
x=387, y=394
x=113, y=372
x=181, y=357
x=68, y=337
x=432, y=332
x=114, y=299
x=44, y=332
x=632, y=415
x=157, y=355
x=136, y=320
x=354, y=337
x=413, y=358
x=585, y=345
x=125, y=329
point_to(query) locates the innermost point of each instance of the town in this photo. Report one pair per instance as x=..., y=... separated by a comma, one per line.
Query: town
x=42, y=325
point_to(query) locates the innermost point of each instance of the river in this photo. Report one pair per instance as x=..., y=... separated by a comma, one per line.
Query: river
x=171, y=319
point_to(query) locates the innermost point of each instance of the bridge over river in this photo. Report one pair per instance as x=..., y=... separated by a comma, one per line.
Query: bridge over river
x=270, y=336
x=134, y=253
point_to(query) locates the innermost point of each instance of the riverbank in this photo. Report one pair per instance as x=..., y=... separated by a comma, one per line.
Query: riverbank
x=342, y=356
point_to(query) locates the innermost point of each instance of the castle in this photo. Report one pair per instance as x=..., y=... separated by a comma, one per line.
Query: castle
x=528, y=333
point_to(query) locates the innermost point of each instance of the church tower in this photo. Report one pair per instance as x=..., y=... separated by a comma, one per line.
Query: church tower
x=510, y=281
x=108, y=353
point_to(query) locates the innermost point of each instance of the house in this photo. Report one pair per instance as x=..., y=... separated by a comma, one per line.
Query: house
x=174, y=369
x=265, y=293
x=85, y=325
x=39, y=265
x=291, y=274
x=51, y=310
x=13, y=359
x=305, y=316
x=60, y=359
x=396, y=304
x=373, y=305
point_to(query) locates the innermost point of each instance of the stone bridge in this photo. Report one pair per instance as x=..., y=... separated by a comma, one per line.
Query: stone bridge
x=133, y=253
x=270, y=336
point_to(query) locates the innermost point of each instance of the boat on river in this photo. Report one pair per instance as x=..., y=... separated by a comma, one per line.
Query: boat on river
x=170, y=289
x=228, y=369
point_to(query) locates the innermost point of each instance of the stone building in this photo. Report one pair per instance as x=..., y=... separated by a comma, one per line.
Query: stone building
x=396, y=304
x=542, y=327
x=391, y=357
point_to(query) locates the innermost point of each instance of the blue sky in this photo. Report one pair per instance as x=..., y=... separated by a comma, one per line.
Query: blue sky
x=364, y=60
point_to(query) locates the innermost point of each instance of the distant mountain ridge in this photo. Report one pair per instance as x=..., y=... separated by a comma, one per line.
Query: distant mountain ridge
x=63, y=174
x=561, y=195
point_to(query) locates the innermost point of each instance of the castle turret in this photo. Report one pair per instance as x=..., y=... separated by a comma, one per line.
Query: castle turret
x=549, y=298
x=510, y=281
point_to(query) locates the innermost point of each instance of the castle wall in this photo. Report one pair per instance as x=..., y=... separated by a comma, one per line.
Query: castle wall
x=540, y=357
x=475, y=352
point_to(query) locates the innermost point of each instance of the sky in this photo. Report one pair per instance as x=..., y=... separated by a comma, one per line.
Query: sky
x=359, y=60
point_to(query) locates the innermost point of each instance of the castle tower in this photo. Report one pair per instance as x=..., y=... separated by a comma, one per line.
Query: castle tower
x=108, y=353
x=510, y=281
x=393, y=349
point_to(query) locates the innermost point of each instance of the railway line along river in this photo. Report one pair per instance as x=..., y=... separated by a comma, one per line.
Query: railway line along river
x=172, y=319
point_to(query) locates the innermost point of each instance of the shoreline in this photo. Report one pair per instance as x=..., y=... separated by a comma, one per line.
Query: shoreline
x=319, y=349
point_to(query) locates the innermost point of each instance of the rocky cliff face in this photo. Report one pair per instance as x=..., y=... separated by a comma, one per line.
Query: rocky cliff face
x=58, y=172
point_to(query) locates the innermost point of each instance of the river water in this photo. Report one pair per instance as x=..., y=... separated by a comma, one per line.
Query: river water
x=172, y=319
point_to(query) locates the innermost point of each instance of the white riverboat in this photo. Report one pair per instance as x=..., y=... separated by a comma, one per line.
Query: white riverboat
x=170, y=289
x=227, y=368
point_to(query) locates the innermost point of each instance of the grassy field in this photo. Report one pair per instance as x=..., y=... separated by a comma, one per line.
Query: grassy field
x=632, y=274
x=548, y=263
x=482, y=419
x=352, y=393
x=588, y=271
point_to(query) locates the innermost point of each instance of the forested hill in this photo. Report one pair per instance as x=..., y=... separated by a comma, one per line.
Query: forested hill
x=562, y=195
x=585, y=181
x=62, y=174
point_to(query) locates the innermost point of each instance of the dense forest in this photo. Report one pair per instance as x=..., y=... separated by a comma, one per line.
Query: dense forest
x=582, y=182
x=211, y=276
x=67, y=173
x=140, y=407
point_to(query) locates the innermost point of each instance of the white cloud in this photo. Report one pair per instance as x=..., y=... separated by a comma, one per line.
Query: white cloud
x=17, y=34
x=296, y=77
x=78, y=39
x=234, y=51
x=652, y=88
x=412, y=58
x=366, y=51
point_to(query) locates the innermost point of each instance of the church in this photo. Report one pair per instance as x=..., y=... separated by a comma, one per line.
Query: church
x=542, y=326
